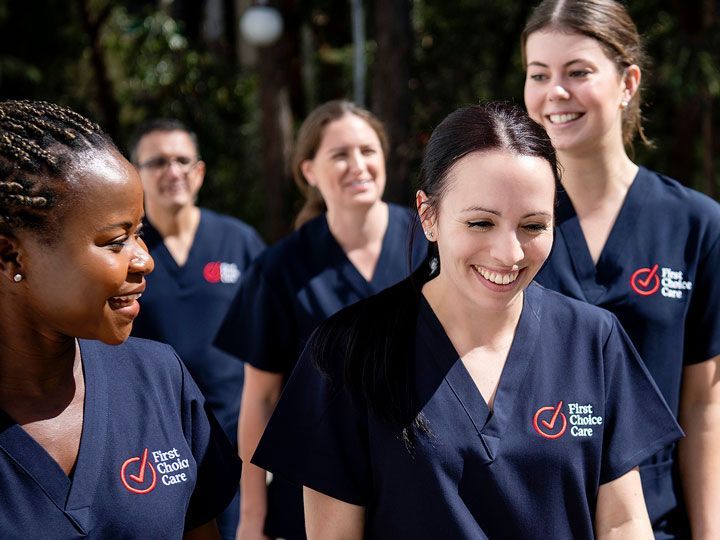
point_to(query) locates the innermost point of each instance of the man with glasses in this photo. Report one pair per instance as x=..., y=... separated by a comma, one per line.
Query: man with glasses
x=200, y=257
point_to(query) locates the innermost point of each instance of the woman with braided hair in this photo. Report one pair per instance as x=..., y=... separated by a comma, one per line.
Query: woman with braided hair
x=99, y=436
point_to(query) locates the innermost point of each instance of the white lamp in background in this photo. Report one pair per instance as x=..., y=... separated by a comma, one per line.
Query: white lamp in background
x=261, y=25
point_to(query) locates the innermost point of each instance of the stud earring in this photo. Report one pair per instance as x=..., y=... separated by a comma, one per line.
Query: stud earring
x=17, y=278
x=623, y=104
x=429, y=234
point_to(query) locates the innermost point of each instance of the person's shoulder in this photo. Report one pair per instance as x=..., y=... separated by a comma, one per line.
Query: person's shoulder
x=565, y=312
x=134, y=353
x=381, y=317
x=357, y=341
x=680, y=198
x=228, y=222
x=401, y=213
x=288, y=253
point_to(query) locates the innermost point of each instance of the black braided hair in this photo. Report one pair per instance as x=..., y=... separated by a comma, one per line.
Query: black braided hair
x=37, y=143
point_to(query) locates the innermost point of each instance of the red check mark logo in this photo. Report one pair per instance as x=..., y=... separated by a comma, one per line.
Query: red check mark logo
x=549, y=424
x=645, y=281
x=137, y=483
x=651, y=274
x=551, y=429
x=139, y=478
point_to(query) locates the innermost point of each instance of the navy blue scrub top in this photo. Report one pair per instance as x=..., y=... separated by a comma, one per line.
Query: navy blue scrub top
x=574, y=409
x=185, y=305
x=290, y=289
x=302, y=280
x=151, y=464
x=658, y=274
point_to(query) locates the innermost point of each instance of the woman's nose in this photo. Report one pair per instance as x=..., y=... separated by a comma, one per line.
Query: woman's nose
x=141, y=261
x=357, y=161
x=508, y=251
x=558, y=92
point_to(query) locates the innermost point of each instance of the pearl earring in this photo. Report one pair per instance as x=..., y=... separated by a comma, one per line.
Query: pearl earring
x=17, y=278
x=623, y=104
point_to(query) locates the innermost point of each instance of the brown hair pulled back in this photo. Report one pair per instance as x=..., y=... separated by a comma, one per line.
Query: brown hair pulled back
x=38, y=141
x=308, y=141
x=607, y=22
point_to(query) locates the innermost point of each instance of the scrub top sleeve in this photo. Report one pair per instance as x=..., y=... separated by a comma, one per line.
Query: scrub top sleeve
x=318, y=437
x=218, y=466
x=637, y=421
x=259, y=328
x=702, y=325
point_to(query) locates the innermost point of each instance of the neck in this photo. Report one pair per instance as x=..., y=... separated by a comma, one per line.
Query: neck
x=467, y=325
x=596, y=175
x=33, y=365
x=179, y=221
x=358, y=226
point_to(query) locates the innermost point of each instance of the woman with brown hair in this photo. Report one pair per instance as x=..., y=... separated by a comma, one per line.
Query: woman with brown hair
x=633, y=241
x=349, y=244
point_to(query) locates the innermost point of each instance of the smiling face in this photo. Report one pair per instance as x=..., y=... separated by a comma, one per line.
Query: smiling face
x=493, y=227
x=169, y=169
x=575, y=91
x=349, y=166
x=87, y=281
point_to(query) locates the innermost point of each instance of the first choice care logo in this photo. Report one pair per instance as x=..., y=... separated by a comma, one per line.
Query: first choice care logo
x=671, y=283
x=140, y=476
x=221, y=272
x=551, y=423
x=170, y=465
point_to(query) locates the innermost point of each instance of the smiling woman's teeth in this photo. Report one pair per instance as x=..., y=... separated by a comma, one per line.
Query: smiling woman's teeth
x=359, y=182
x=562, y=118
x=498, y=279
x=120, y=301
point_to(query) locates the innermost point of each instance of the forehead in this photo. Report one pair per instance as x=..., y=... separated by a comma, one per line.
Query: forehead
x=348, y=130
x=501, y=178
x=551, y=46
x=165, y=143
x=105, y=186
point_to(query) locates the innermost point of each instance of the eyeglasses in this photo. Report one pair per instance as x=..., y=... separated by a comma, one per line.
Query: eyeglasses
x=161, y=163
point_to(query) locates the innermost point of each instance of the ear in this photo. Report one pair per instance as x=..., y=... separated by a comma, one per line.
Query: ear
x=427, y=216
x=10, y=263
x=631, y=81
x=199, y=171
x=306, y=167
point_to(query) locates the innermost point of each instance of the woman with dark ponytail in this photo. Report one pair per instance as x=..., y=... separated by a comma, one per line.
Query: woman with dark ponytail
x=467, y=401
x=101, y=436
x=348, y=245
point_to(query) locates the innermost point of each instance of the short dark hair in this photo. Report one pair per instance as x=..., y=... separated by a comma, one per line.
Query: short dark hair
x=159, y=124
x=39, y=142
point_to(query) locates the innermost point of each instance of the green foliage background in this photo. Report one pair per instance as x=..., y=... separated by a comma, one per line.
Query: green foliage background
x=464, y=51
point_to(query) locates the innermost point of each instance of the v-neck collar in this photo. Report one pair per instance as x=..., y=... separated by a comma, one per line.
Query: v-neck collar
x=590, y=275
x=489, y=424
x=388, y=251
x=72, y=496
x=160, y=250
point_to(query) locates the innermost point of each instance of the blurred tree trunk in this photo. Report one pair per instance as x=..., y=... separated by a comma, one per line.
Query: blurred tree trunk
x=391, y=99
x=694, y=112
x=109, y=106
x=708, y=130
x=280, y=96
